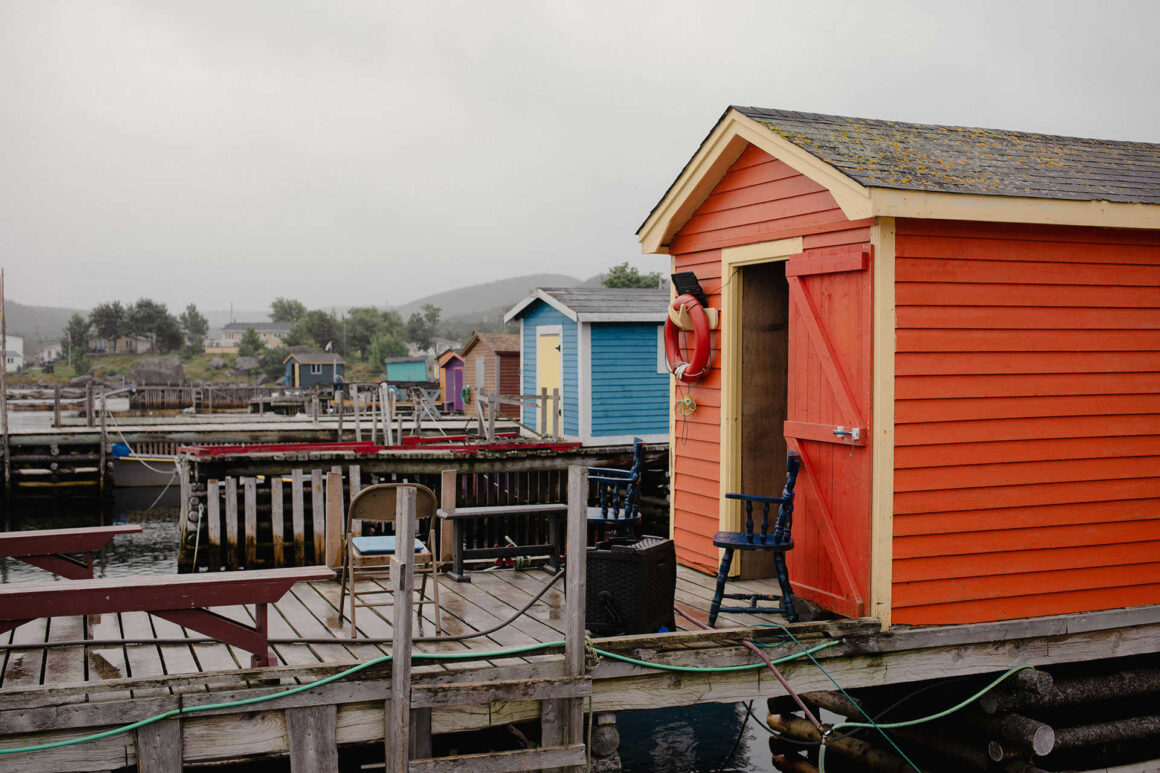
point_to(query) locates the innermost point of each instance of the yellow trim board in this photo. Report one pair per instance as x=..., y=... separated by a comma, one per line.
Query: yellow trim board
x=882, y=422
x=735, y=131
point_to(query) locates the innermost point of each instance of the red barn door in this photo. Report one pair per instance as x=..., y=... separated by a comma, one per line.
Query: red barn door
x=830, y=381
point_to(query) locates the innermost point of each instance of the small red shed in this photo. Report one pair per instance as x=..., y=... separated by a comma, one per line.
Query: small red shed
x=491, y=361
x=958, y=329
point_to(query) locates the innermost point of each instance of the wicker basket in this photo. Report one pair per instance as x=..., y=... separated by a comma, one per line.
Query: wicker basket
x=630, y=586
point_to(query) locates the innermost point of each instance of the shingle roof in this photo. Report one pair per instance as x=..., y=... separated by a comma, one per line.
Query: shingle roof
x=502, y=342
x=315, y=357
x=604, y=304
x=959, y=159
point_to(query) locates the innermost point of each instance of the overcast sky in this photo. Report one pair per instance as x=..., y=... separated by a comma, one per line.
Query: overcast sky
x=373, y=152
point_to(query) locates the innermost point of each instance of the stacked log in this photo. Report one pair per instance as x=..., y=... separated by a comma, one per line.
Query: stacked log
x=1030, y=723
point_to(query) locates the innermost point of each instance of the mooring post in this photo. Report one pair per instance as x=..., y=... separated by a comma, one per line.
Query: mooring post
x=338, y=402
x=447, y=485
x=103, y=449
x=334, y=519
x=90, y=419
x=398, y=719
x=543, y=428
x=277, y=520
x=314, y=406
x=250, y=518
x=555, y=414
x=56, y=404
x=357, y=413
x=492, y=408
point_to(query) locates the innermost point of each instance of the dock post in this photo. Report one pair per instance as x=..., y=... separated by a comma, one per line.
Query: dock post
x=184, y=517
x=556, y=414
x=314, y=406
x=357, y=413
x=298, y=517
x=562, y=720
x=231, y=523
x=209, y=396
x=277, y=521
x=492, y=407
x=318, y=514
x=56, y=405
x=250, y=500
x=338, y=402
x=104, y=445
x=311, y=732
x=334, y=519
x=398, y=714
x=447, y=486
x=213, y=506
x=90, y=419
x=543, y=428
x=159, y=747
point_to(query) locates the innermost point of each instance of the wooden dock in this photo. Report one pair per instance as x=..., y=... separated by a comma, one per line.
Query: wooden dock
x=58, y=693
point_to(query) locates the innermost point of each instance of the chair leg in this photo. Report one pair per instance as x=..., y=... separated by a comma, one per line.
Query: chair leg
x=435, y=593
x=342, y=588
x=786, y=590
x=722, y=573
x=353, y=599
x=422, y=595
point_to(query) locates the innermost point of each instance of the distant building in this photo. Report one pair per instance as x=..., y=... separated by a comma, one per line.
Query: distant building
x=491, y=362
x=450, y=368
x=406, y=369
x=603, y=349
x=437, y=345
x=272, y=335
x=308, y=367
x=121, y=345
x=50, y=353
x=13, y=353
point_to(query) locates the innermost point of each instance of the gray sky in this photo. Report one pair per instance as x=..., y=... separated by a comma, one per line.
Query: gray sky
x=373, y=152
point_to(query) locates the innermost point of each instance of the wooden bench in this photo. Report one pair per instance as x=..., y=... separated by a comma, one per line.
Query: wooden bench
x=183, y=599
x=459, y=517
x=47, y=548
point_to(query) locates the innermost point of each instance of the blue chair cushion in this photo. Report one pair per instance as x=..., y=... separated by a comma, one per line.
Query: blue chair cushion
x=384, y=545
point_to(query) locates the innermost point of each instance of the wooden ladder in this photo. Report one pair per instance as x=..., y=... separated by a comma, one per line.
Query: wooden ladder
x=408, y=722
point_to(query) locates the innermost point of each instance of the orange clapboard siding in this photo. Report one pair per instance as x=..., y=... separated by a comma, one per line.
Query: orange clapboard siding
x=1031, y=605
x=1025, y=517
x=1025, y=429
x=1093, y=345
x=1028, y=385
x=984, y=363
x=1021, y=561
x=1021, y=584
x=1032, y=541
x=758, y=199
x=1027, y=391
x=945, y=455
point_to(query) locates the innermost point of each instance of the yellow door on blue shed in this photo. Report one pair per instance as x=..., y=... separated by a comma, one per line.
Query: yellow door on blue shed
x=548, y=374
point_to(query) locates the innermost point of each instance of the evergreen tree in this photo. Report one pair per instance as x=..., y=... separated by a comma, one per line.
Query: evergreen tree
x=625, y=275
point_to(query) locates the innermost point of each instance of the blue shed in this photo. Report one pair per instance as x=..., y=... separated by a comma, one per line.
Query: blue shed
x=308, y=368
x=603, y=348
x=406, y=369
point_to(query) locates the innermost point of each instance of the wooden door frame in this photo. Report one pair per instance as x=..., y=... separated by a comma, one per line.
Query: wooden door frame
x=733, y=259
x=548, y=330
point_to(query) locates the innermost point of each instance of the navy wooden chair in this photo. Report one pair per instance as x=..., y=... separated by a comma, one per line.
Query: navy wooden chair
x=778, y=543
x=619, y=496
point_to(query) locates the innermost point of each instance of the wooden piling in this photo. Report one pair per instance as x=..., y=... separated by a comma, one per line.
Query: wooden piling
x=543, y=428
x=159, y=747
x=277, y=523
x=56, y=404
x=334, y=519
x=357, y=413
x=318, y=513
x=231, y=523
x=311, y=732
x=447, y=484
x=556, y=434
x=298, y=517
x=90, y=417
x=213, y=500
x=398, y=713
x=250, y=486
x=339, y=408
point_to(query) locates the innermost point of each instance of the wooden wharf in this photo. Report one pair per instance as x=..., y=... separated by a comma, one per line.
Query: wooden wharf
x=50, y=694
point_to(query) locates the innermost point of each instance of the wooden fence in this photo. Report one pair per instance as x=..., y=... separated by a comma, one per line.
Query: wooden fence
x=281, y=520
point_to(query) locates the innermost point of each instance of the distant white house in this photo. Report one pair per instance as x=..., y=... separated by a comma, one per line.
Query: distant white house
x=270, y=333
x=438, y=346
x=49, y=353
x=13, y=353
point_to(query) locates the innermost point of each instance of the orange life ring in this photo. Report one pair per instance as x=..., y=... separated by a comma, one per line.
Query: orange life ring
x=696, y=367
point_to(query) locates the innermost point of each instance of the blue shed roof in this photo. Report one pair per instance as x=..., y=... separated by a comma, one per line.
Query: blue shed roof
x=599, y=304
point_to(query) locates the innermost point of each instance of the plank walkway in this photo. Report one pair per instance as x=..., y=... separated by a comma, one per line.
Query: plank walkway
x=310, y=611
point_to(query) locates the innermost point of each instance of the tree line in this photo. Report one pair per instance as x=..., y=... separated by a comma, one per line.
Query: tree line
x=146, y=318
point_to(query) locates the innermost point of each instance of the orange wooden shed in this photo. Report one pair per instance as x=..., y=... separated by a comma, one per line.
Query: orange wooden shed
x=958, y=328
